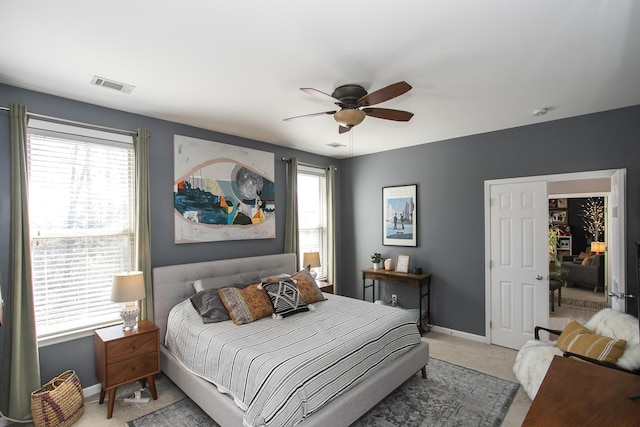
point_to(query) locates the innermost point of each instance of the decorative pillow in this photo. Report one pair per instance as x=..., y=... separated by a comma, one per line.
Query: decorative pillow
x=210, y=307
x=308, y=287
x=245, y=279
x=285, y=298
x=584, y=255
x=577, y=339
x=246, y=305
x=276, y=278
x=587, y=261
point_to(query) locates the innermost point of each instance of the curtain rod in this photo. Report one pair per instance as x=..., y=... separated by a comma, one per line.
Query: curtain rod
x=287, y=160
x=58, y=119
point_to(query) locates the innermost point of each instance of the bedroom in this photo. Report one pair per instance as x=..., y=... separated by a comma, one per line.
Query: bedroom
x=449, y=175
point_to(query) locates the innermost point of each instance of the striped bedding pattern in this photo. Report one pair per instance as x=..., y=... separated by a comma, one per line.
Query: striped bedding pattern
x=281, y=370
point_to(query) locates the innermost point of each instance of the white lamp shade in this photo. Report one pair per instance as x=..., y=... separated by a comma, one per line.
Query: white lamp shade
x=128, y=287
x=598, y=247
x=311, y=259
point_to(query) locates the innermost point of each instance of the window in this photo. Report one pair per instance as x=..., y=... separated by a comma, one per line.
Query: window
x=81, y=213
x=312, y=214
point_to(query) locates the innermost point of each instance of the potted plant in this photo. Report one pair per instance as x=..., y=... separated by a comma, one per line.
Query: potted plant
x=376, y=259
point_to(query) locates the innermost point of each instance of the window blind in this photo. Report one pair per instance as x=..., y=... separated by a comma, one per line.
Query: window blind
x=312, y=214
x=81, y=212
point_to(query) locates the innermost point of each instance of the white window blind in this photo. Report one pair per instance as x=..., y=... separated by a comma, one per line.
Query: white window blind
x=81, y=211
x=312, y=214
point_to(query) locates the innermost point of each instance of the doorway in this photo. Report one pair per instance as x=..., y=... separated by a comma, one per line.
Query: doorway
x=500, y=312
x=579, y=268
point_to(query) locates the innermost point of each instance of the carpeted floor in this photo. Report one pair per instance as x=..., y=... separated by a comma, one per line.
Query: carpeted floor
x=451, y=395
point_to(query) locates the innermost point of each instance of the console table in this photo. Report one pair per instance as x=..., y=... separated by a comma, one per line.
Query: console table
x=421, y=281
x=576, y=393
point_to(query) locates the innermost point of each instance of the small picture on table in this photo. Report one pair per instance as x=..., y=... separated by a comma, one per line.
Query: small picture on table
x=561, y=203
x=402, y=263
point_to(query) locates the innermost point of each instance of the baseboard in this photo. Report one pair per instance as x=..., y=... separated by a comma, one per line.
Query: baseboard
x=460, y=334
x=87, y=391
x=91, y=390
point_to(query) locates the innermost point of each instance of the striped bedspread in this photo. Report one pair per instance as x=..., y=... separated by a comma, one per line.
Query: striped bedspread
x=280, y=371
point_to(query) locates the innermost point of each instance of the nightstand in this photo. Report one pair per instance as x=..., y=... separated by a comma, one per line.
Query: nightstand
x=325, y=287
x=126, y=356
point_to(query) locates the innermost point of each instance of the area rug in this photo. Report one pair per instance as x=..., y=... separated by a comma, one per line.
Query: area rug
x=450, y=396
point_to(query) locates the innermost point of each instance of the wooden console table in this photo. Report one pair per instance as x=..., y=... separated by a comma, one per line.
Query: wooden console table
x=576, y=393
x=408, y=279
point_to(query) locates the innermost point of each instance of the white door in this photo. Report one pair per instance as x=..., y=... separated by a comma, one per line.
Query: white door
x=519, y=261
x=615, y=245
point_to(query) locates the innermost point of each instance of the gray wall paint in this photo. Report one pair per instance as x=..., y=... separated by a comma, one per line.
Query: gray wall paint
x=450, y=176
x=78, y=354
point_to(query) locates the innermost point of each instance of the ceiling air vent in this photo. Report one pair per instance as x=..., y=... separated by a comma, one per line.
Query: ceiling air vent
x=336, y=145
x=112, y=84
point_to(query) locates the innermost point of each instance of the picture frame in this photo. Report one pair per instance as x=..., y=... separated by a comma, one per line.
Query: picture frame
x=558, y=216
x=399, y=215
x=562, y=203
x=402, y=263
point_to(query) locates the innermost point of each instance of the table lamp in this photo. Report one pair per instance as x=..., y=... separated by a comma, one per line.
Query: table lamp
x=311, y=260
x=128, y=288
x=598, y=247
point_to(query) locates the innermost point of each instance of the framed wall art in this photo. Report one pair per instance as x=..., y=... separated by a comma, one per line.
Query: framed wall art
x=222, y=192
x=402, y=263
x=399, y=213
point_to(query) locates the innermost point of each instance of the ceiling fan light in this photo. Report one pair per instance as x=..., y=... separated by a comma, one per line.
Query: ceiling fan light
x=349, y=117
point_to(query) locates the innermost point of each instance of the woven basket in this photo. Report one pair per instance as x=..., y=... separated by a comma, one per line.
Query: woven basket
x=59, y=403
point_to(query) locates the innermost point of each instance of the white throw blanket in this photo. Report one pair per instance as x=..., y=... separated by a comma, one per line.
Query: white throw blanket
x=280, y=371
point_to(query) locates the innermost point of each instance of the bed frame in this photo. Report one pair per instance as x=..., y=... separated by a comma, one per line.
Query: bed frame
x=172, y=284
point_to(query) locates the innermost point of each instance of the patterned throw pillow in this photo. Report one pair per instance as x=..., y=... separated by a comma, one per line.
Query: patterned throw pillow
x=285, y=298
x=577, y=339
x=308, y=287
x=246, y=305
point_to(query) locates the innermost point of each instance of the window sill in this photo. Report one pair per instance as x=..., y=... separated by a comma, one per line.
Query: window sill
x=72, y=335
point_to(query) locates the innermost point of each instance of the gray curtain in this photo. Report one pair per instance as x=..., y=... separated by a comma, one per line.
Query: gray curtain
x=291, y=236
x=20, y=363
x=143, y=218
x=331, y=227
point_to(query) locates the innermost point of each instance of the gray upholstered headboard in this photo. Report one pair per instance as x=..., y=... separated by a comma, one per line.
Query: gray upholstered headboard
x=172, y=284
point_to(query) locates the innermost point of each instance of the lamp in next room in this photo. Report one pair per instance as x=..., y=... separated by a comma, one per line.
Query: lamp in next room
x=598, y=247
x=128, y=288
x=311, y=260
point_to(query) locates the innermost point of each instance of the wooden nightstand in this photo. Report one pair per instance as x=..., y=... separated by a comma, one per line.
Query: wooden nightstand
x=325, y=287
x=126, y=356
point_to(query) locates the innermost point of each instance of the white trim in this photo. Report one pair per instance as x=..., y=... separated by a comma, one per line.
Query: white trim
x=91, y=390
x=459, y=334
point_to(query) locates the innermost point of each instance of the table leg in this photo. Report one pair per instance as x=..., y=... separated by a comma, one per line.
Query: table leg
x=112, y=400
x=152, y=387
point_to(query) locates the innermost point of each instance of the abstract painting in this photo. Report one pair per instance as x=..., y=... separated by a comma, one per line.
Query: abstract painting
x=222, y=192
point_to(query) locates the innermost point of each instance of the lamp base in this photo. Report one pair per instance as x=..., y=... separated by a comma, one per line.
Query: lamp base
x=129, y=313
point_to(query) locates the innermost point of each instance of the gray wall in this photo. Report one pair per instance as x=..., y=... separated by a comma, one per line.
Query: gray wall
x=450, y=176
x=78, y=354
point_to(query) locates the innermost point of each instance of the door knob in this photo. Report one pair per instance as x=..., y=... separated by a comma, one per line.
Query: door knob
x=539, y=277
x=621, y=295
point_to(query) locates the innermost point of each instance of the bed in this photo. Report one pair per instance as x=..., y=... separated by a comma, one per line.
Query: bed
x=173, y=285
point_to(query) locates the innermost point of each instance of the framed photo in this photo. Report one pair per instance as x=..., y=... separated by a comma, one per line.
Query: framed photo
x=399, y=213
x=558, y=216
x=402, y=263
x=562, y=203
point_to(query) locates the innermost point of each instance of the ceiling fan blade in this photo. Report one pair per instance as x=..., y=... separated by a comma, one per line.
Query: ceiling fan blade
x=384, y=94
x=343, y=129
x=321, y=95
x=310, y=115
x=388, y=114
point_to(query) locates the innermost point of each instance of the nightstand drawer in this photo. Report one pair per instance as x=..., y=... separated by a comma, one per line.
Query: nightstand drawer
x=132, y=369
x=132, y=346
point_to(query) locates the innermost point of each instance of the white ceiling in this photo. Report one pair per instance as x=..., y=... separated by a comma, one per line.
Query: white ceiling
x=236, y=66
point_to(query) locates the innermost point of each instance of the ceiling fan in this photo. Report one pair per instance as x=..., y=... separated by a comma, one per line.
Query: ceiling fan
x=354, y=102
